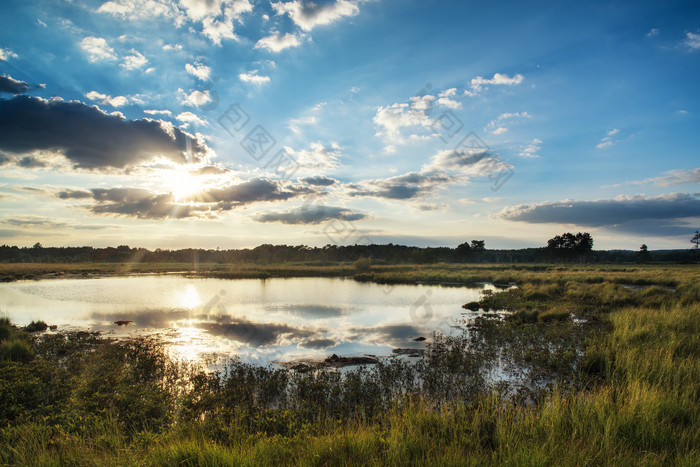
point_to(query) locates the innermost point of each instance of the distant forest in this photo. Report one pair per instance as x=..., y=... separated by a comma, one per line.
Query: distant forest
x=476, y=252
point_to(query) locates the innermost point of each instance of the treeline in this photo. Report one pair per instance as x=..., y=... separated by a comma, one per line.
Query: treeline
x=379, y=254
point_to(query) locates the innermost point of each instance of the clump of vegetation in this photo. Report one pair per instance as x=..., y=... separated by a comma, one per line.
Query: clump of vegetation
x=13, y=346
x=553, y=315
x=36, y=326
x=6, y=329
x=363, y=264
x=16, y=350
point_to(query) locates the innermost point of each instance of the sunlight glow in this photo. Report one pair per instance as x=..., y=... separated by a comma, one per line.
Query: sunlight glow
x=182, y=183
x=189, y=298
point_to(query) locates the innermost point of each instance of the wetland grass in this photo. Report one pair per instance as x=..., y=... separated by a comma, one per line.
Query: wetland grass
x=610, y=376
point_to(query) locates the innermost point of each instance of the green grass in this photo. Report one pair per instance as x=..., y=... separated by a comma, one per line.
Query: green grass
x=620, y=388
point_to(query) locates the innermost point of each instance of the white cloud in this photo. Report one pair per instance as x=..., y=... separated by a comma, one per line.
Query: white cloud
x=215, y=16
x=157, y=112
x=116, y=101
x=193, y=99
x=673, y=177
x=391, y=119
x=318, y=157
x=498, y=127
x=97, y=49
x=478, y=84
x=200, y=9
x=608, y=141
x=137, y=9
x=254, y=77
x=278, y=42
x=189, y=117
x=199, y=70
x=168, y=47
x=653, y=32
x=532, y=148
x=692, y=41
x=40, y=23
x=217, y=30
x=134, y=61
x=295, y=124
x=444, y=99
x=6, y=53
x=466, y=161
x=308, y=15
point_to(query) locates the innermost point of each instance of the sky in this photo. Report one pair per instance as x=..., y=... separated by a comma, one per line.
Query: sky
x=233, y=123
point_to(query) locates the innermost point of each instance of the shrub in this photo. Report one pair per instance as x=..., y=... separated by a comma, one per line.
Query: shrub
x=536, y=295
x=5, y=329
x=363, y=264
x=553, y=315
x=37, y=326
x=16, y=350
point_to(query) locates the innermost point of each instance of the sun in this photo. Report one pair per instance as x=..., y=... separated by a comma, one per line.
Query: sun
x=182, y=183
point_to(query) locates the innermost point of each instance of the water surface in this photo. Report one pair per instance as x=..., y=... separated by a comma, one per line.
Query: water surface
x=258, y=320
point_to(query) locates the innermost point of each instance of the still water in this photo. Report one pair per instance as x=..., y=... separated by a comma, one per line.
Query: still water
x=257, y=320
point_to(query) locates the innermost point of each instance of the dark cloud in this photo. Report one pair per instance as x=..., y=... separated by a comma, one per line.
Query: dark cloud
x=4, y=158
x=209, y=170
x=6, y=233
x=255, y=334
x=34, y=221
x=146, y=318
x=406, y=186
x=255, y=190
x=89, y=137
x=134, y=202
x=318, y=344
x=10, y=85
x=607, y=212
x=74, y=194
x=320, y=180
x=398, y=335
x=313, y=214
x=30, y=162
x=311, y=311
x=143, y=204
x=146, y=204
x=670, y=228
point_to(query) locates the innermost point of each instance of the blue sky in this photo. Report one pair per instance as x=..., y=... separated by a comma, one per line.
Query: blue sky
x=416, y=122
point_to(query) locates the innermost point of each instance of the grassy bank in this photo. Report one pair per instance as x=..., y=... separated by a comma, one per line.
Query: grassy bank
x=619, y=385
x=659, y=274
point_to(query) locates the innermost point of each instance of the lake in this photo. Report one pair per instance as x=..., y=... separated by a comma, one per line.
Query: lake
x=258, y=320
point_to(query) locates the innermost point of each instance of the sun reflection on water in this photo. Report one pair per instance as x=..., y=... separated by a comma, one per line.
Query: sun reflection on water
x=190, y=344
x=188, y=298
